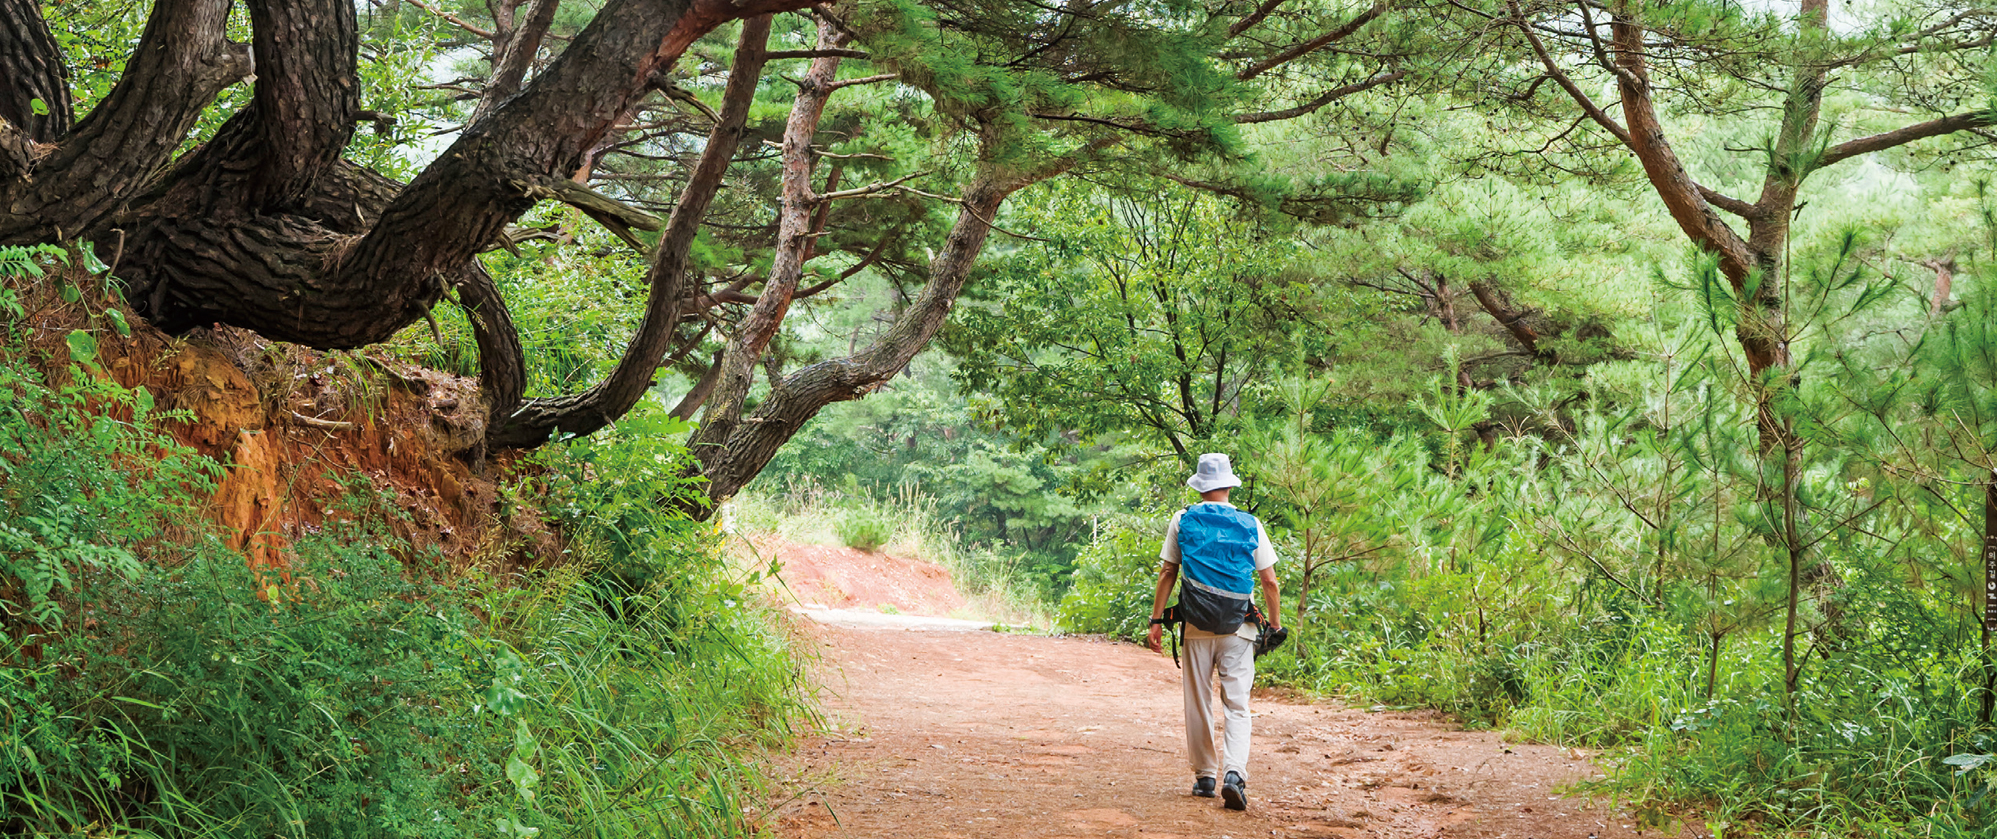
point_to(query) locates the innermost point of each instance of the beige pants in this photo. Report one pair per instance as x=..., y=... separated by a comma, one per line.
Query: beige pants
x=1232, y=659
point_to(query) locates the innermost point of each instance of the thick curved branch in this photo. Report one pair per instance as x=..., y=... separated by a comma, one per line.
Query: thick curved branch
x=502, y=364
x=1313, y=45
x=796, y=205
x=340, y=291
x=182, y=61
x=590, y=410
x=729, y=465
x=697, y=396
x=459, y=204
x=1902, y=136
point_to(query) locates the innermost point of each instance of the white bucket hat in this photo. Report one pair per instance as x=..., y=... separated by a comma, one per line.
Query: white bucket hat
x=1214, y=472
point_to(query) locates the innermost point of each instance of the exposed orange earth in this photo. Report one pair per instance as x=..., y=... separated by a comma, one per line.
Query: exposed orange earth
x=844, y=578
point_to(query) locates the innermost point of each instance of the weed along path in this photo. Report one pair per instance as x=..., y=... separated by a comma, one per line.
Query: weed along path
x=960, y=734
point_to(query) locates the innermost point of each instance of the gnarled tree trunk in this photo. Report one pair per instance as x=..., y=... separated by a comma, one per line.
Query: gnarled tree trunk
x=731, y=463
x=261, y=227
x=581, y=413
x=109, y=158
x=796, y=207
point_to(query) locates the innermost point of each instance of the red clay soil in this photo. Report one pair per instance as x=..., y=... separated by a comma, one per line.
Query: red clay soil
x=844, y=578
x=962, y=735
x=981, y=735
x=300, y=431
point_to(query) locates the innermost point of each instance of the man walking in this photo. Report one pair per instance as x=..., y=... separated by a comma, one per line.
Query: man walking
x=1220, y=552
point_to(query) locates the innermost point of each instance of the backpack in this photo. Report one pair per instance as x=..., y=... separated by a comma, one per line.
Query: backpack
x=1216, y=567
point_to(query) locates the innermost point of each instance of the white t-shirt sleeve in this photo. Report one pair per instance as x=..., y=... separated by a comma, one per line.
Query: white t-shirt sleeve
x=1169, y=552
x=1265, y=553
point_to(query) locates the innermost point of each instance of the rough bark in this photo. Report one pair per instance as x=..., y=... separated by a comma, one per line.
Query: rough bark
x=182, y=61
x=302, y=113
x=1499, y=306
x=590, y=410
x=291, y=278
x=803, y=393
x=797, y=203
x=33, y=68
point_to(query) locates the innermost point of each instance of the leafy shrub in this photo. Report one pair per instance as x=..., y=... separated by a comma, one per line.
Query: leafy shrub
x=309, y=708
x=865, y=529
x=213, y=700
x=88, y=477
x=634, y=682
x=1115, y=577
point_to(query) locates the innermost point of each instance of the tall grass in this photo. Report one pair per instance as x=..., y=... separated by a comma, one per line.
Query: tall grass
x=632, y=726
x=152, y=684
x=353, y=702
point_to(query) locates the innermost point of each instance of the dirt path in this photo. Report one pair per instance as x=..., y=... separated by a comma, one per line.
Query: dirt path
x=981, y=735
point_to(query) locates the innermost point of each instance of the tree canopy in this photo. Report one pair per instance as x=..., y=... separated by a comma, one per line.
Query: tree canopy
x=269, y=222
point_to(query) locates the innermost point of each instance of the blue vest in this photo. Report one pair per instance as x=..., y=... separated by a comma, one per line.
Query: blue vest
x=1216, y=566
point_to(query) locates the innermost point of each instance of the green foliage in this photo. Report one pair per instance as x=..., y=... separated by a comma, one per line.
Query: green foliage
x=644, y=673
x=89, y=478
x=179, y=692
x=1115, y=577
x=864, y=529
x=22, y=262
x=267, y=709
x=83, y=492
x=355, y=702
x=1148, y=313
x=639, y=723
